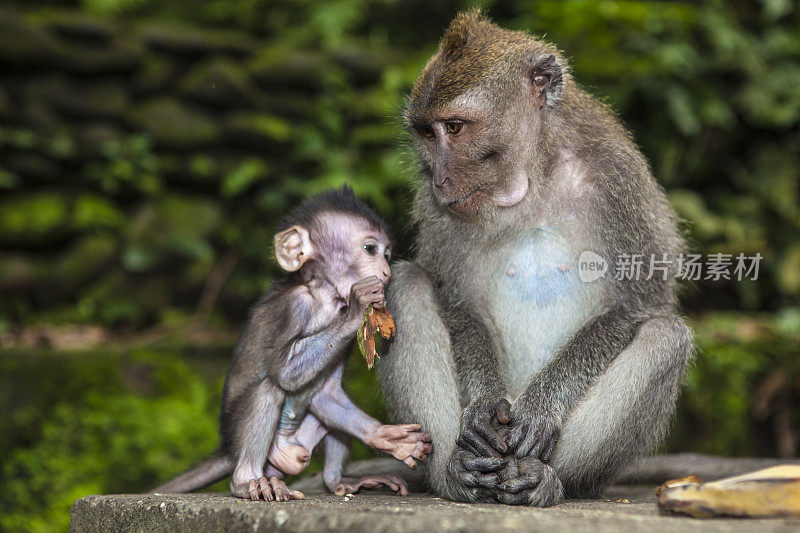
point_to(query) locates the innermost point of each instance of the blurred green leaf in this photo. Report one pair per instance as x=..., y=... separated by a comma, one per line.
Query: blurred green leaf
x=243, y=177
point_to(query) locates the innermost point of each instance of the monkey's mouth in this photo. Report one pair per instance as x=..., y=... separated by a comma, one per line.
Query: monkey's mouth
x=464, y=202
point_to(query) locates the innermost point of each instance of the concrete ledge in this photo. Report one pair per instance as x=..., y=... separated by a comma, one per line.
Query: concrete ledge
x=626, y=508
x=622, y=509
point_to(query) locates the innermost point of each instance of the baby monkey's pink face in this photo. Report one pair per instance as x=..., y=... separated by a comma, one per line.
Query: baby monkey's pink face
x=353, y=249
x=344, y=248
x=372, y=253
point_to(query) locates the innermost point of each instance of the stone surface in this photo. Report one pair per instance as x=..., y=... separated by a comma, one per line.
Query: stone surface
x=657, y=469
x=622, y=509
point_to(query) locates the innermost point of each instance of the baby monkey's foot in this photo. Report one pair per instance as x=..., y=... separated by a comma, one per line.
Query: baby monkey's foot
x=349, y=485
x=404, y=442
x=273, y=489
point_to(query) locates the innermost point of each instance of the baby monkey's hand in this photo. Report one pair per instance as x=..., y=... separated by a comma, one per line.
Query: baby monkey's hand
x=404, y=442
x=364, y=292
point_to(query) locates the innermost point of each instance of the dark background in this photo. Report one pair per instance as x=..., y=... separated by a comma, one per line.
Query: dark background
x=148, y=147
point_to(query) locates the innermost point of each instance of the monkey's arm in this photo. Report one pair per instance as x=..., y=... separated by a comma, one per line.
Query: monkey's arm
x=538, y=413
x=483, y=391
x=310, y=354
x=337, y=411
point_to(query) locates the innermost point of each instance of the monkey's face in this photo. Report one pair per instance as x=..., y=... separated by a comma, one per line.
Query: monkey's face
x=476, y=114
x=469, y=150
x=347, y=249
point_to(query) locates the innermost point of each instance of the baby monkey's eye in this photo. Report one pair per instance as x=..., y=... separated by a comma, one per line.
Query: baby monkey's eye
x=453, y=127
x=370, y=249
x=387, y=255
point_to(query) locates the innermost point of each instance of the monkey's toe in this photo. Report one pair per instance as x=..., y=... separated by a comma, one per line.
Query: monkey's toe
x=296, y=495
x=266, y=490
x=253, y=490
x=280, y=489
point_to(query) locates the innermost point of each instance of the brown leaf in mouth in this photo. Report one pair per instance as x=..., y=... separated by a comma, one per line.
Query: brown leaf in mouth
x=375, y=320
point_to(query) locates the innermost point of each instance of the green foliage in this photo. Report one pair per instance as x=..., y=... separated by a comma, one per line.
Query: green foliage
x=31, y=217
x=302, y=97
x=112, y=422
x=146, y=140
x=97, y=423
x=743, y=388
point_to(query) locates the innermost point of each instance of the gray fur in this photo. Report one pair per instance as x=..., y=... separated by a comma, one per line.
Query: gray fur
x=418, y=374
x=493, y=308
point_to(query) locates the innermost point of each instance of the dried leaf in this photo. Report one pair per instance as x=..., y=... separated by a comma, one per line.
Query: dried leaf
x=375, y=320
x=769, y=492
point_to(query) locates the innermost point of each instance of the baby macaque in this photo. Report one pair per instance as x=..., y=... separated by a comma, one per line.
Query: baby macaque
x=283, y=393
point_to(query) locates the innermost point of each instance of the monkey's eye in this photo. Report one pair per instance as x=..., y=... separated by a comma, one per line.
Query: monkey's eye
x=387, y=255
x=370, y=249
x=453, y=127
x=428, y=133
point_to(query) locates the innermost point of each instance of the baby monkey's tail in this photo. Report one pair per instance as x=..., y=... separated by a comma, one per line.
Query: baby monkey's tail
x=209, y=471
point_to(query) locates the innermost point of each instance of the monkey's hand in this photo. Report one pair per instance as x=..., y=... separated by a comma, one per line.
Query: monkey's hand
x=405, y=442
x=362, y=293
x=350, y=485
x=529, y=481
x=480, y=424
x=534, y=430
x=471, y=478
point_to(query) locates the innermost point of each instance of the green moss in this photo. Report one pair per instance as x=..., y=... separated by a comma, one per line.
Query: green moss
x=32, y=216
x=83, y=260
x=175, y=124
x=103, y=423
x=220, y=81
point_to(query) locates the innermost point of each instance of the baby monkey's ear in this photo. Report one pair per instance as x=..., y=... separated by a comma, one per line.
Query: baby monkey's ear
x=293, y=248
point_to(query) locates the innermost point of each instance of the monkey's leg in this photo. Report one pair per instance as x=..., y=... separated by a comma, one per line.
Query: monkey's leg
x=419, y=380
x=257, y=413
x=624, y=415
x=337, y=448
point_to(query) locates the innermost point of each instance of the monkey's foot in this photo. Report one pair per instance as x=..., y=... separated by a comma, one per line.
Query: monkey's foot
x=349, y=485
x=403, y=442
x=273, y=489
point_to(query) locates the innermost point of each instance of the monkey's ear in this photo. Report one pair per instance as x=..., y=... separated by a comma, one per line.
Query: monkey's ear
x=293, y=248
x=546, y=77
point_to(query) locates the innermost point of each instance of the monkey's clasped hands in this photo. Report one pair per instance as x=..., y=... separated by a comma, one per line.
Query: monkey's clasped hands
x=502, y=452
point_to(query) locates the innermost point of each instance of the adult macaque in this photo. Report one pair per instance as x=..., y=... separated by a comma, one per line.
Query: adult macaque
x=533, y=383
x=283, y=393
